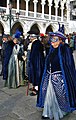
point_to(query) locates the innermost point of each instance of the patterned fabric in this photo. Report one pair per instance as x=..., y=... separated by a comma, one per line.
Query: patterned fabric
x=51, y=106
x=59, y=87
x=43, y=91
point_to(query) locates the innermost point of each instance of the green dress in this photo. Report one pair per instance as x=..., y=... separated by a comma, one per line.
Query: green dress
x=15, y=69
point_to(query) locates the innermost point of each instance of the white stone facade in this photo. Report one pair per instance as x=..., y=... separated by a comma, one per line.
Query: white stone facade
x=43, y=19
x=72, y=22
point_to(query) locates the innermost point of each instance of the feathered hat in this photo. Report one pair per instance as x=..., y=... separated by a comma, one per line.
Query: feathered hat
x=58, y=34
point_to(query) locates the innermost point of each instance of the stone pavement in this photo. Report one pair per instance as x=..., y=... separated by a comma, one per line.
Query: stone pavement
x=15, y=105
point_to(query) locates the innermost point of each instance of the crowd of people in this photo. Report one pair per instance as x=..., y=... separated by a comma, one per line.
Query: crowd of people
x=46, y=61
x=71, y=40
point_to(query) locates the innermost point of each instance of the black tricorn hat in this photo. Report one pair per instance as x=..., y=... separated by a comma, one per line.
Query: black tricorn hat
x=33, y=32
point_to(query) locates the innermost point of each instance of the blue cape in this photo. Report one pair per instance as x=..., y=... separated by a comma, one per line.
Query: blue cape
x=68, y=70
x=36, y=63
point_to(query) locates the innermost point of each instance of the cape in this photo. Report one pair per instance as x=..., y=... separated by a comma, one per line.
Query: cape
x=68, y=70
x=36, y=63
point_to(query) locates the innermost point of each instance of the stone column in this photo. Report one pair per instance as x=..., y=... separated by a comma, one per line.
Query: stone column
x=43, y=3
x=35, y=8
x=56, y=12
x=50, y=11
x=68, y=11
x=17, y=6
x=27, y=7
x=7, y=10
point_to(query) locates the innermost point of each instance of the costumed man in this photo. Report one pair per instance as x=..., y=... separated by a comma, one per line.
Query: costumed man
x=36, y=61
x=7, y=47
x=57, y=94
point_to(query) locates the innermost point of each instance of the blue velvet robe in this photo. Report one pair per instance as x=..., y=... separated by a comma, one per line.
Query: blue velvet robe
x=67, y=67
x=36, y=63
x=6, y=57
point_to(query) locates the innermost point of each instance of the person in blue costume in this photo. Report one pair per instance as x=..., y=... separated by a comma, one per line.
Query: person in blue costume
x=36, y=61
x=7, y=47
x=57, y=94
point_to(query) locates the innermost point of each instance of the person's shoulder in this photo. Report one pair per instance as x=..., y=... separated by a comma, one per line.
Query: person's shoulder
x=11, y=43
x=65, y=45
x=36, y=42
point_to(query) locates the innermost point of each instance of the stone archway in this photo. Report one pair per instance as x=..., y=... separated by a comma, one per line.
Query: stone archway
x=49, y=29
x=35, y=28
x=16, y=26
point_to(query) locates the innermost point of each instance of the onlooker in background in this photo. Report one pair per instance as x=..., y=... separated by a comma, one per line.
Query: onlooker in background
x=4, y=43
x=4, y=38
x=6, y=51
x=74, y=37
x=43, y=39
x=46, y=43
x=22, y=45
x=71, y=43
x=26, y=43
x=27, y=50
x=66, y=41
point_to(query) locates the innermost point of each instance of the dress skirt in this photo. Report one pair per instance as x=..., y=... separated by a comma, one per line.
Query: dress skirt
x=15, y=69
x=51, y=105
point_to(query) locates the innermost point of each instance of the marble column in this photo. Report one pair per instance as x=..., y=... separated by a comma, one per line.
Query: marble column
x=27, y=7
x=35, y=8
x=62, y=8
x=68, y=12
x=17, y=6
x=7, y=10
x=56, y=12
x=50, y=11
x=43, y=3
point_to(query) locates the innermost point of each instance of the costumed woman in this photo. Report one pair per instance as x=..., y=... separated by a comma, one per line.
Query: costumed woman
x=15, y=70
x=57, y=94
